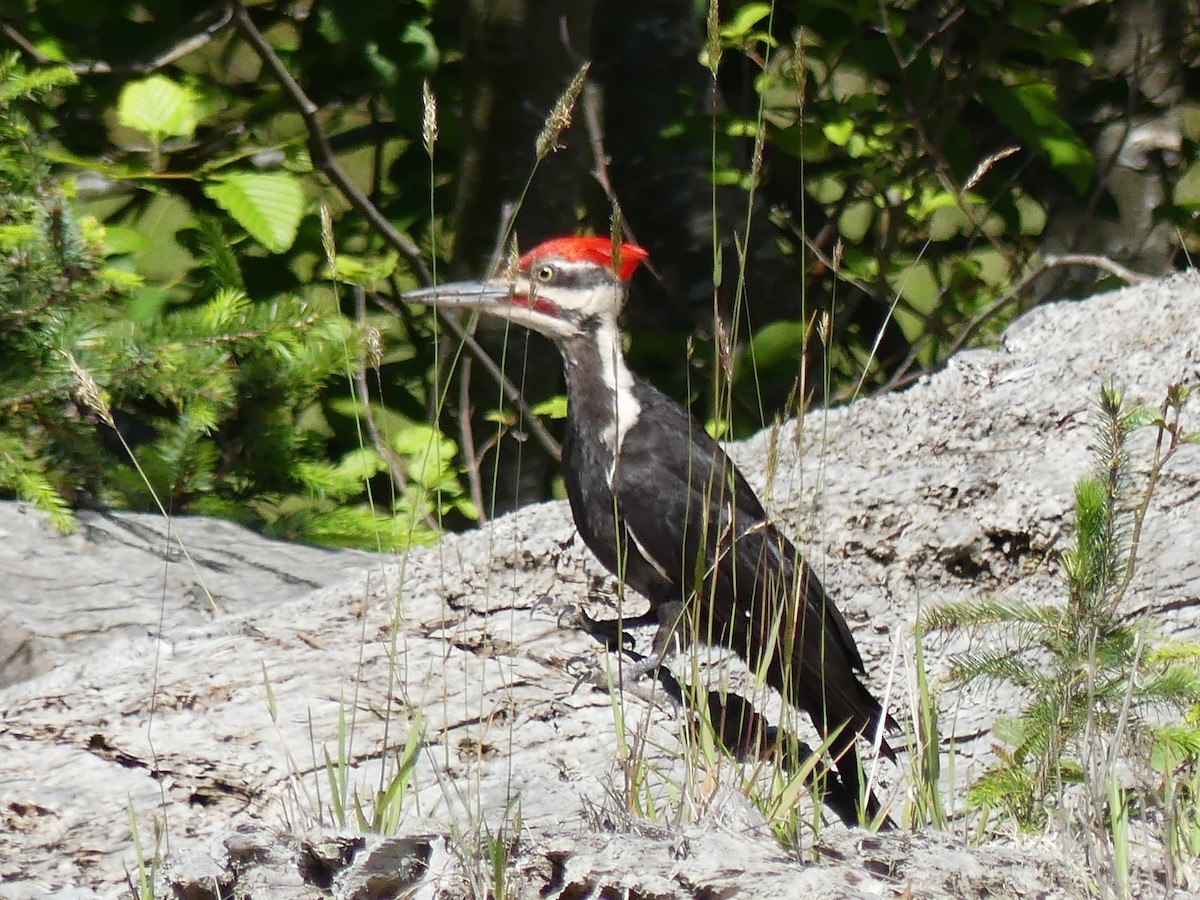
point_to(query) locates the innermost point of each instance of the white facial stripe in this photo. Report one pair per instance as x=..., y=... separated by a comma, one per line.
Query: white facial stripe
x=581, y=287
x=538, y=321
x=599, y=299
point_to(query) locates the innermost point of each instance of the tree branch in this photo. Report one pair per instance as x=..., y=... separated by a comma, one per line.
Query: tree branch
x=209, y=22
x=902, y=379
x=511, y=393
x=321, y=151
x=324, y=159
x=468, y=440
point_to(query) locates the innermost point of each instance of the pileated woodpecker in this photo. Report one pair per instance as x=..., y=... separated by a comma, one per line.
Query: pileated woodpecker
x=665, y=510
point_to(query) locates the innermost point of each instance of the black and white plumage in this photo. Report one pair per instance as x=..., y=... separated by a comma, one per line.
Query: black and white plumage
x=663, y=507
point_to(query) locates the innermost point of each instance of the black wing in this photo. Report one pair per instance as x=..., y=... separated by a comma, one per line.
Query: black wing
x=753, y=591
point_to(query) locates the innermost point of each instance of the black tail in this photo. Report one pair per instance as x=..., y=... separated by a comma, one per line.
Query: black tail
x=849, y=712
x=848, y=761
x=746, y=734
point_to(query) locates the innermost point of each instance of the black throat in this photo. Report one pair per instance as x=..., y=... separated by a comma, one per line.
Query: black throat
x=601, y=391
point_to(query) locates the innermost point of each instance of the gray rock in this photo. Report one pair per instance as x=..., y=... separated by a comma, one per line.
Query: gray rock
x=216, y=723
x=123, y=576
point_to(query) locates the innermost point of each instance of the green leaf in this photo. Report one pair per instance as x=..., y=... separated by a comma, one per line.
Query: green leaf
x=930, y=200
x=555, y=407
x=1140, y=417
x=745, y=19
x=268, y=206
x=716, y=428
x=504, y=417
x=418, y=439
x=421, y=39
x=778, y=342
x=838, y=132
x=120, y=239
x=158, y=107
x=1031, y=111
x=365, y=271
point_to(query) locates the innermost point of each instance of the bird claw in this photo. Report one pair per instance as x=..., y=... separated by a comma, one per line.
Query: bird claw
x=585, y=668
x=612, y=633
x=588, y=670
x=574, y=616
x=544, y=600
x=633, y=673
x=571, y=616
x=628, y=673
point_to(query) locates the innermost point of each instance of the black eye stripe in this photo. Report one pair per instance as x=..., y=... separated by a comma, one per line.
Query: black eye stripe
x=569, y=276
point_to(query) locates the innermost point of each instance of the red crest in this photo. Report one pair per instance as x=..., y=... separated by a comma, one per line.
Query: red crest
x=598, y=250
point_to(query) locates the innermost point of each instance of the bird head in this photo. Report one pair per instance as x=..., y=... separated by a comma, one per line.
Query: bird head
x=562, y=288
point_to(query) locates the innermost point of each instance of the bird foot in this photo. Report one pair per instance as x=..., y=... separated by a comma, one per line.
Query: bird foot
x=588, y=670
x=614, y=634
x=632, y=673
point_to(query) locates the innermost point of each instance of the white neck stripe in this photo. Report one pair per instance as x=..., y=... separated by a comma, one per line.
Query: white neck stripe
x=619, y=381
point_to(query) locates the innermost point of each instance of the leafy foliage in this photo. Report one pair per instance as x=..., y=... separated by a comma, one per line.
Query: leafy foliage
x=47, y=268
x=855, y=190
x=205, y=403
x=920, y=169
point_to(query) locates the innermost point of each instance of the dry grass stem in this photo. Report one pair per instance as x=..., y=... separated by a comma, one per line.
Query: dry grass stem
x=375, y=347
x=88, y=391
x=559, y=119
x=984, y=167
x=512, y=264
x=327, y=241
x=712, y=43
x=429, y=125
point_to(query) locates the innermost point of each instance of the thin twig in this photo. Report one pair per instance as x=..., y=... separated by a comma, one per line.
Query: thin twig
x=511, y=392
x=364, y=399
x=468, y=440
x=595, y=132
x=1112, y=267
x=320, y=150
x=1048, y=262
x=901, y=379
x=210, y=22
x=19, y=39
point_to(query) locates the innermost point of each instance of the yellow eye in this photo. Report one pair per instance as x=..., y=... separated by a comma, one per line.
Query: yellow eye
x=544, y=274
